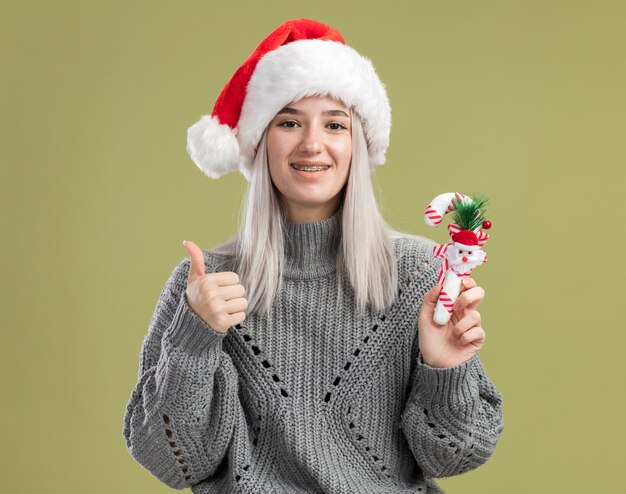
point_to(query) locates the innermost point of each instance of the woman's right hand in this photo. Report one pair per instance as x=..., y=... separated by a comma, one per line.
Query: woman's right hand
x=217, y=298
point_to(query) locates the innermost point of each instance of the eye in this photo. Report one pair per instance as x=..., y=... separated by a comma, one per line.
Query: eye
x=460, y=252
x=470, y=252
x=288, y=124
x=336, y=126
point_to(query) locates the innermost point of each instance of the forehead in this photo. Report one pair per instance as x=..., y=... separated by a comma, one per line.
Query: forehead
x=318, y=103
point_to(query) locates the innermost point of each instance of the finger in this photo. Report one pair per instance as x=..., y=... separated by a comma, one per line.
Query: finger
x=432, y=295
x=236, y=305
x=236, y=318
x=469, y=321
x=197, y=268
x=469, y=299
x=430, y=301
x=230, y=292
x=454, y=318
x=225, y=278
x=475, y=336
x=468, y=283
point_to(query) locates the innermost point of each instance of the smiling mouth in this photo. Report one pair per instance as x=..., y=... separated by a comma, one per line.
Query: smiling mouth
x=310, y=168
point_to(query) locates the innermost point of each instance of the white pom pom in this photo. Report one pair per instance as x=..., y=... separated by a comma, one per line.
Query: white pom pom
x=213, y=147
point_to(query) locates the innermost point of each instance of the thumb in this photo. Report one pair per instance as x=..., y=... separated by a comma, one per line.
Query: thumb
x=196, y=270
x=430, y=300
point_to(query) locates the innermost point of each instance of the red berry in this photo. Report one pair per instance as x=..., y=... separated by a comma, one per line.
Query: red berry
x=486, y=225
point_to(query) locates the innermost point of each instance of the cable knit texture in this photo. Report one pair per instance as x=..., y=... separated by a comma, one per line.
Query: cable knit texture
x=313, y=398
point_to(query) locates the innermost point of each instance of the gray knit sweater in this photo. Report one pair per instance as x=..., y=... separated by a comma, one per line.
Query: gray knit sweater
x=313, y=398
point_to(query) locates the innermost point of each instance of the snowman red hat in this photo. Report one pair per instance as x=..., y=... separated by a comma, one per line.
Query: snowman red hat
x=465, y=239
x=299, y=58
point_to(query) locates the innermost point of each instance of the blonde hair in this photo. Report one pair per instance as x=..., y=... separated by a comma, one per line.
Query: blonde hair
x=366, y=251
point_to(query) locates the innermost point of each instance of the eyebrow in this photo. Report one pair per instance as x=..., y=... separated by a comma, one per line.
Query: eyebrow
x=329, y=113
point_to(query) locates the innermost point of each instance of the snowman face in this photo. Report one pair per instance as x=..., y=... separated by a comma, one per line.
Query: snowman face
x=464, y=258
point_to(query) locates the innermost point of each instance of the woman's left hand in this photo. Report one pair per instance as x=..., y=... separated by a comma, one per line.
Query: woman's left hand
x=457, y=341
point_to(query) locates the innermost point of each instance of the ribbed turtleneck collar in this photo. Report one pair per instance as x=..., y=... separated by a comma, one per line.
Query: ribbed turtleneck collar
x=311, y=248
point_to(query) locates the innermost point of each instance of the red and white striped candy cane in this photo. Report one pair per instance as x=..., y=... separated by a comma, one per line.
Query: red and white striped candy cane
x=433, y=216
x=442, y=205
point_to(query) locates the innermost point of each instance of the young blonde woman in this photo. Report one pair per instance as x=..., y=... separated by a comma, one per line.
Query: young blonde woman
x=302, y=356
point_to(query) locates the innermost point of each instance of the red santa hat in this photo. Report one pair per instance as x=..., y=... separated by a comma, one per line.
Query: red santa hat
x=299, y=58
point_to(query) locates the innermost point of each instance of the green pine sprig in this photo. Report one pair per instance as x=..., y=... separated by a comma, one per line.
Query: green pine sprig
x=470, y=216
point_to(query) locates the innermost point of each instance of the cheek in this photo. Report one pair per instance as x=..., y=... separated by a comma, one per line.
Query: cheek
x=343, y=157
x=340, y=149
x=275, y=154
x=346, y=175
x=346, y=152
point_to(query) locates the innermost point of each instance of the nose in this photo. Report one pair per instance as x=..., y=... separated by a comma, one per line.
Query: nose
x=464, y=259
x=311, y=141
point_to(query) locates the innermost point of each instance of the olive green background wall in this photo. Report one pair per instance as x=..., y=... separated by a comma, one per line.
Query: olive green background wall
x=523, y=101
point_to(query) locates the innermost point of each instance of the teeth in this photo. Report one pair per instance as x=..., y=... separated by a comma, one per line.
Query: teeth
x=310, y=168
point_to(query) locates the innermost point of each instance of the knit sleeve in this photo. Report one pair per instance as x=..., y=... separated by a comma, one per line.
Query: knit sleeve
x=453, y=416
x=180, y=416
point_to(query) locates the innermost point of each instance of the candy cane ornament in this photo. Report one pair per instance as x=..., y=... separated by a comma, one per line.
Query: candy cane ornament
x=464, y=251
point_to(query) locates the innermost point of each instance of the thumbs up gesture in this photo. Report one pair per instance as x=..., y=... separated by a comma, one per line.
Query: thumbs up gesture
x=217, y=298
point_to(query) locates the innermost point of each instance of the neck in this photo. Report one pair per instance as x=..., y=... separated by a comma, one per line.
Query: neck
x=311, y=248
x=299, y=213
